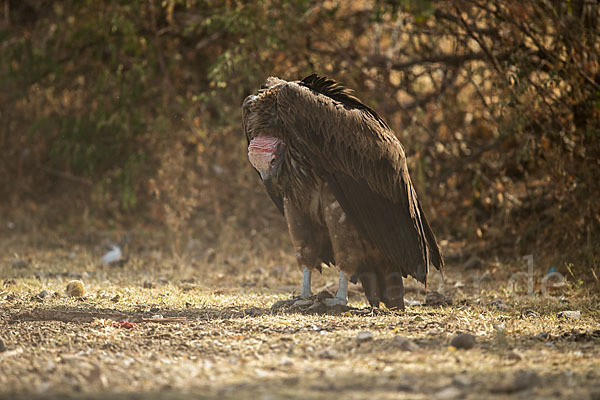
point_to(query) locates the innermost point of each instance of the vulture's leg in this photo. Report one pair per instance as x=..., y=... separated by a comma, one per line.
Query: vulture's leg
x=341, y=297
x=311, y=243
x=306, y=292
x=348, y=248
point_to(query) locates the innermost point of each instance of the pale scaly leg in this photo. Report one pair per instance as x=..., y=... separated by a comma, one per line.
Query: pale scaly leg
x=306, y=292
x=341, y=297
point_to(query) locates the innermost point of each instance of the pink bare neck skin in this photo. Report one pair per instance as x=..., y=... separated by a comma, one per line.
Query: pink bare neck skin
x=262, y=150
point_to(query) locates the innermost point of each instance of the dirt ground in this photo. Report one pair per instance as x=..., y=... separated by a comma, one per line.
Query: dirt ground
x=201, y=326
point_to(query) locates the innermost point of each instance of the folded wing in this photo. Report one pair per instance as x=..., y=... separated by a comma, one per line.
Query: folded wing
x=363, y=162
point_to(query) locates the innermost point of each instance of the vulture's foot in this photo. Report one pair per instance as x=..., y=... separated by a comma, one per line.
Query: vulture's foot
x=335, y=301
x=321, y=303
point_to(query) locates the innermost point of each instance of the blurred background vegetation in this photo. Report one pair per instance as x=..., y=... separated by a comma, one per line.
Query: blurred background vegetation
x=118, y=114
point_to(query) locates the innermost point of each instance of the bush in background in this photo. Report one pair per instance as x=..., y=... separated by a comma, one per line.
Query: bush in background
x=129, y=111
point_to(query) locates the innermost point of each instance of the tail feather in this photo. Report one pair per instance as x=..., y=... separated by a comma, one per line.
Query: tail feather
x=435, y=254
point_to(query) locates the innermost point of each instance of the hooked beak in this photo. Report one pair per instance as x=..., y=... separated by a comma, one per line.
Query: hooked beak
x=269, y=181
x=265, y=175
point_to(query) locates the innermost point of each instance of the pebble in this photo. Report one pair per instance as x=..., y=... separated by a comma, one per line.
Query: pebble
x=20, y=264
x=364, y=336
x=2, y=346
x=42, y=295
x=437, y=299
x=463, y=341
x=149, y=285
x=75, y=288
x=404, y=344
x=514, y=355
x=461, y=381
x=522, y=380
x=449, y=393
x=570, y=314
x=328, y=354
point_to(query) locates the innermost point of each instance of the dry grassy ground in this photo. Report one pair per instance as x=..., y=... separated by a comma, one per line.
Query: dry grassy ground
x=202, y=328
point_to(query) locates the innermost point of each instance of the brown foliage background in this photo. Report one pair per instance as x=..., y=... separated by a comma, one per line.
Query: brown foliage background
x=127, y=114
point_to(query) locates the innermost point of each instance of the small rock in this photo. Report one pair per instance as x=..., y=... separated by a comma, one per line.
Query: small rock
x=2, y=346
x=522, y=380
x=405, y=387
x=364, y=336
x=404, y=344
x=115, y=298
x=435, y=299
x=149, y=285
x=286, y=362
x=461, y=381
x=290, y=381
x=328, y=354
x=412, y=303
x=463, y=341
x=42, y=295
x=449, y=393
x=570, y=314
x=20, y=264
x=459, y=285
x=75, y=288
x=514, y=355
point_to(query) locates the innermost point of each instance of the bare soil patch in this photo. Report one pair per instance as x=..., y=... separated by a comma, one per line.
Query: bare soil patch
x=163, y=328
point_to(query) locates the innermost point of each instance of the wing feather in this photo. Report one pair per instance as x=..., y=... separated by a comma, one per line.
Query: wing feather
x=365, y=165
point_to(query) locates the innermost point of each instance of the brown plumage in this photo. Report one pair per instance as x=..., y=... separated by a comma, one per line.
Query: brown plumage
x=338, y=173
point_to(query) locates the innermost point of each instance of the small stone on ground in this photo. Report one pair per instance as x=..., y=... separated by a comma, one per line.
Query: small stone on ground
x=463, y=341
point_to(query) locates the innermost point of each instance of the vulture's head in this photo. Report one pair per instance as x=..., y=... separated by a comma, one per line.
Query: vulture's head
x=262, y=126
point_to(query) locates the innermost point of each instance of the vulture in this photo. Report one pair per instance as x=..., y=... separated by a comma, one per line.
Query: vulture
x=338, y=174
